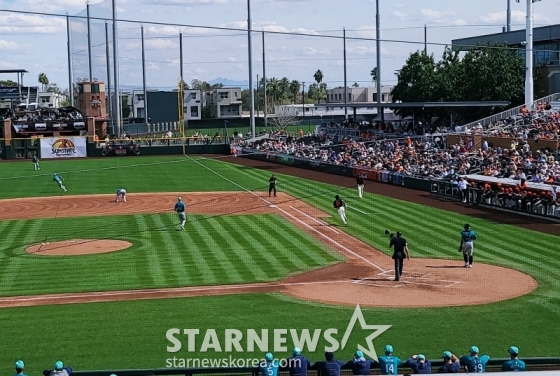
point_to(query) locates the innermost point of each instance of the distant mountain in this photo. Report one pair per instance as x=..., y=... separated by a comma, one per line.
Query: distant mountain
x=227, y=82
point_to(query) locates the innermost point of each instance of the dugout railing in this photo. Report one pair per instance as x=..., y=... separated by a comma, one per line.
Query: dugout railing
x=494, y=365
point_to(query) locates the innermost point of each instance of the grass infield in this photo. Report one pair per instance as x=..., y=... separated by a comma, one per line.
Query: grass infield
x=132, y=334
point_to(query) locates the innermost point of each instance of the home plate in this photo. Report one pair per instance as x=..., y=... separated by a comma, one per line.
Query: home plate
x=272, y=206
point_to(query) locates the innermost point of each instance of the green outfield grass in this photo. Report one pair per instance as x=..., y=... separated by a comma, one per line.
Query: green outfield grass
x=132, y=334
x=213, y=250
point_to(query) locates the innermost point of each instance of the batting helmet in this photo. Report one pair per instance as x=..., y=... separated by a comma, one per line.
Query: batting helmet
x=467, y=226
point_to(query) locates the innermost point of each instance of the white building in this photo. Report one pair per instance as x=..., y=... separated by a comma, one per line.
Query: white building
x=224, y=102
x=50, y=100
x=192, y=101
x=359, y=94
x=136, y=103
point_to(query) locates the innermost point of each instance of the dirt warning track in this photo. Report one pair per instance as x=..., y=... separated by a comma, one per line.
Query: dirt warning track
x=365, y=278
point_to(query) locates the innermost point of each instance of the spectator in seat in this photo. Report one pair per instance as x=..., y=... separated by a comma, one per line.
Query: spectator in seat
x=514, y=364
x=330, y=366
x=59, y=370
x=297, y=363
x=20, y=366
x=269, y=367
x=450, y=363
x=359, y=365
x=419, y=364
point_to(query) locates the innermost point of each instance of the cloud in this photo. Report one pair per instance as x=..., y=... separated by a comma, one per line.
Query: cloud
x=446, y=17
x=9, y=45
x=232, y=59
x=270, y=26
x=313, y=52
x=199, y=71
x=517, y=16
x=28, y=24
x=399, y=6
x=401, y=16
x=187, y=2
x=154, y=44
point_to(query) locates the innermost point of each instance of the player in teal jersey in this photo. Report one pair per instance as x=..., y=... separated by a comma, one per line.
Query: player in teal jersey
x=514, y=364
x=473, y=362
x=388, y=363
x=180, y=208
x=269, y=367
x=58, y=179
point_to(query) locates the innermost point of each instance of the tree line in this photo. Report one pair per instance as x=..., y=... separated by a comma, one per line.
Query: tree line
x=483, y=73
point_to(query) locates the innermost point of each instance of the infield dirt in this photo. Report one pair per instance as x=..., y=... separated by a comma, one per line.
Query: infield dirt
x=365, y=278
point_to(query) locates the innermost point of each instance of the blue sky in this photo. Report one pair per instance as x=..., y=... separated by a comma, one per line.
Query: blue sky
x=38, y=43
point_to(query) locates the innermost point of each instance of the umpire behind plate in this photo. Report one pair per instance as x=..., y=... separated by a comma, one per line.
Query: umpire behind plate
x=400, y=246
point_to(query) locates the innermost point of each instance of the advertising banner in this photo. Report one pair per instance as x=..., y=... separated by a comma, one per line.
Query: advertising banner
x=63, y=147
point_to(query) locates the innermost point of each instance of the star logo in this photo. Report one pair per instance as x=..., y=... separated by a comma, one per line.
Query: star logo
x=378, y=330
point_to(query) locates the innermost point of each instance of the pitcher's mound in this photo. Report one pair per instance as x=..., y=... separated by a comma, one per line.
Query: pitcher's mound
x=76, y=247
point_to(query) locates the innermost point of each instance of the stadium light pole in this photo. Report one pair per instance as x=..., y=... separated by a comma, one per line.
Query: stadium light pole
x=264, y=81
x=70, y=64
x=529, y=53
x=250, y=52
x=108, y=62
x=116, y=95
x=345, y=80
x=508, y=23
x=144, y=91
x=90, y=64
x=378, y=57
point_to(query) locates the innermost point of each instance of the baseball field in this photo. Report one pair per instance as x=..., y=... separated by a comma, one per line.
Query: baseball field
x=98, y=283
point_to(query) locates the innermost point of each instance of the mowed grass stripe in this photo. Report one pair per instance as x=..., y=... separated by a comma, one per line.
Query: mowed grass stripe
x=239, y=257
x=276, y=247
x=201, y=273
x=300, y=241
x=270, y=267
x=150, y=265
x=172, y=263
x=218, y=262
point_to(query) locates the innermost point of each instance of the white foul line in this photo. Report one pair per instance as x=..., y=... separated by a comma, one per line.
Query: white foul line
x=316, y=220
x=358, y=210
x=288, y=214
x=112, y=294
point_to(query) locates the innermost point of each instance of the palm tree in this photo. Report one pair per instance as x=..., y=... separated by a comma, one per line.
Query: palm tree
x=373, y=75
x=272, y=89
x=283, y=86
x=43, y=80
x=356, y=84
x=318, y=76
x=295, y=86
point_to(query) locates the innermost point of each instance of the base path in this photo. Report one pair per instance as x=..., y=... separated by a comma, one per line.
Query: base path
x=366, y=278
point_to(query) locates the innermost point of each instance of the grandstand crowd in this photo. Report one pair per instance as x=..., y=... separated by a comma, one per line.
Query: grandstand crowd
x=411, y=151
x=40, y=115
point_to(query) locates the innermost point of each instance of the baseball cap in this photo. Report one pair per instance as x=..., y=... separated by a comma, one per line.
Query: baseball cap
x=358, y=354
x=20, y=365
x=513, y=350
x=388, y=349
x=58, y=365
x=179, y=198
x=269, y=356
x=474, y=350
x=447, y=354
x=421, y=356
x=296, y=351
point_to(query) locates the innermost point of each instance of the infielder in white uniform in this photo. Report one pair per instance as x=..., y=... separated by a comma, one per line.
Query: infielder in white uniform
x=340, y=206
x=121, y=192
